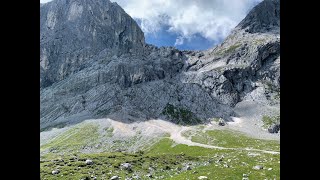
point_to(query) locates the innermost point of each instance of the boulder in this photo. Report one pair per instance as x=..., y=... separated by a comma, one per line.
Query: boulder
x=54, y=172
x=114, y=178
x=275, y=128
x=126, y=166
x=202, y=177
x=89, y=162
x=221, y=122
x=257, y=167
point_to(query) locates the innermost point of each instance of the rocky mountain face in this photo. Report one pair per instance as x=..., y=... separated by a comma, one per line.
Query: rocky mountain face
x=74, y=32
x=95, y=63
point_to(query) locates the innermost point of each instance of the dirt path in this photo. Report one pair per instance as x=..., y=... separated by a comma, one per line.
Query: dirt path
x=175, y=132
x=151, y=129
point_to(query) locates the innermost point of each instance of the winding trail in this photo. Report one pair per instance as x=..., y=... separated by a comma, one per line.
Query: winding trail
x=175, y=132
x=151, y=128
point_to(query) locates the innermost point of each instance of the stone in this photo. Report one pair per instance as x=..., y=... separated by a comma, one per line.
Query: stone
x=114, y=178
x=126, y=166
x=221, y=122
x=269, y=169
x=275, y=128
x=54, y=172
x=89, y=162
x=257, y=167
x=202, y=177
x=188, y=168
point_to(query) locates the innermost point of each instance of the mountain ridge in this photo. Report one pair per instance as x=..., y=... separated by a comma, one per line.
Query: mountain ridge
x=142, y=84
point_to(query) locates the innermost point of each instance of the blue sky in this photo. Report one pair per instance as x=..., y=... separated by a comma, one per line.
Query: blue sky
x=186, y=24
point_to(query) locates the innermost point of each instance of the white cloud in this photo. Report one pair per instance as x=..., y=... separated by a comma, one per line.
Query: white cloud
x=45, y=1
x=212, y=19
x=179, y=41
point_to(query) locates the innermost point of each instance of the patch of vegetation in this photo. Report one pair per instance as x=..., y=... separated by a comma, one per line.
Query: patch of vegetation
x=233, y=139
x=74, y=139
x=215, y=119
x=221, y=164
x=270, y=120
x=108, y=131
x=270, y=87
x=180, y=115
x=106, y=165
x=232, y=48
x=258, y=41
x=277, y=96
x=166, y=159
x=229, y=50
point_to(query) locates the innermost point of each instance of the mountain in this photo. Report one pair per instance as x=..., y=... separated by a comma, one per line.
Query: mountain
x=94, y=63
x=113, y=106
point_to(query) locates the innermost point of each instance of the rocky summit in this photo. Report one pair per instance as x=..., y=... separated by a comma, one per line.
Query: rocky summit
x=95, y=63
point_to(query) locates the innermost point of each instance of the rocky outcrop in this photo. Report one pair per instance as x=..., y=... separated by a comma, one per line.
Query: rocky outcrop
x=75, y=32
x=268, y=21
x=99, y=66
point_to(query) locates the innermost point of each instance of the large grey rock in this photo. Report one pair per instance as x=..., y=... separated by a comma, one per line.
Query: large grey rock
x=274, y=128
x=221, y=122
x=94, y=63
x=126, y=166
x=257, y=167
x=89, y=162
x=202, y=177
x=114, y=178
x=54, y=172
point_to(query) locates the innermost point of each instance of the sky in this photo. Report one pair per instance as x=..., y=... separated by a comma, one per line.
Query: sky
x=186, y=24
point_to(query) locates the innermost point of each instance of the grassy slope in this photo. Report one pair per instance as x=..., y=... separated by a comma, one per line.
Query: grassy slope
x=166, y=159
x=74, y=139
x=232, y=139
x=241, y=162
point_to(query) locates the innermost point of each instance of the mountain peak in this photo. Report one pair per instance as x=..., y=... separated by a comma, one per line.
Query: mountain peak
x=265, y=17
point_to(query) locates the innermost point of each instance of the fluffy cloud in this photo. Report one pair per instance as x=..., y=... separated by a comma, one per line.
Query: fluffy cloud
x=212, y=19
x=45, y=1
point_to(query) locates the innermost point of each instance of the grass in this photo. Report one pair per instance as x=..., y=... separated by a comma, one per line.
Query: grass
x=228, y=50
x=232, y=48
x=258, y=41
x=240, y=162
x=180, y=115
x=74, y=139
x=164, y=160
x=233, y=139
x=270, y=120
x=107, y=165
